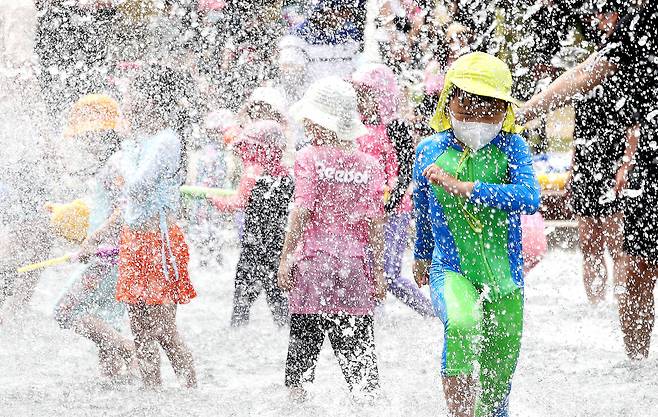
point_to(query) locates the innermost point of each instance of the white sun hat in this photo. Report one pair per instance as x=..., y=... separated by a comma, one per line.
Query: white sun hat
x=271, y=96
x=331, y=103
x=220, y=120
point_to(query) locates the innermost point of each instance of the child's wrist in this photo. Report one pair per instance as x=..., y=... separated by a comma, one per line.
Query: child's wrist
x=288, y=258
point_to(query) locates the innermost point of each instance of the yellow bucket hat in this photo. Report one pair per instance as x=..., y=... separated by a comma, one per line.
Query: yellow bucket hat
x=70, y=220
x=92, y=113
x=481, y=74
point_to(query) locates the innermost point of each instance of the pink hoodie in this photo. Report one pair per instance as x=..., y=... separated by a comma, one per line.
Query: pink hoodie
x=381, y=80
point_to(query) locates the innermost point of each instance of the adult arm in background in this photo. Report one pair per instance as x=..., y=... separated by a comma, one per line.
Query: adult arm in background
x=631, y=42
x=578, y=80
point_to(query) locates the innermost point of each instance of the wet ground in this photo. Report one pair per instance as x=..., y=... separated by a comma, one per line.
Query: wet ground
x=572, y=361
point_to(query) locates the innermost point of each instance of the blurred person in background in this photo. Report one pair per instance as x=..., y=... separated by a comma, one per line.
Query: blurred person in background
x=398, y=24
x=627, y=58
x=72, y=42
x=390, y=142
x=262, y=143
x=331, y=37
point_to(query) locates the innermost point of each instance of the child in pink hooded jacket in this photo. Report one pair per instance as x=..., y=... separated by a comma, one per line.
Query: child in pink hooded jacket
x=390, y=142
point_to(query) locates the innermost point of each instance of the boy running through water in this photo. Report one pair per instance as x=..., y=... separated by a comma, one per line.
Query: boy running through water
x=473, y=180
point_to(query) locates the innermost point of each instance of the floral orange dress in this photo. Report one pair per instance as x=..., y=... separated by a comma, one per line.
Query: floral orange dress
x=153, y=254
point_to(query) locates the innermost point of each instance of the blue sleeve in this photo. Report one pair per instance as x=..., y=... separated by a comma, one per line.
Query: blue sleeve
x=159, y=160
x=424, y=244
x=521, y=194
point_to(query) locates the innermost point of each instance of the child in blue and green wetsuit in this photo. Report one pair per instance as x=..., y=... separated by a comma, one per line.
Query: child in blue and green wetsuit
x=473, y=180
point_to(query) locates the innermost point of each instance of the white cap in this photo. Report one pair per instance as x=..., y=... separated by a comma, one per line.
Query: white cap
x=220, y=120
x=271, y=96
x=263, y=132
x=331, y=103
x=292, y=56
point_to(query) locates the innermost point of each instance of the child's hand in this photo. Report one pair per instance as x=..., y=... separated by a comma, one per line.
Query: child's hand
x=439, y=177
x=421, y=272
x=86, y=252
x=284, y=276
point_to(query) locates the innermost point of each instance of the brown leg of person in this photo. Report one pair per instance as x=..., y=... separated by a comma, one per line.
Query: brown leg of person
x=172, y=343
x=460, y=395
x=628, y=308
x=613, y=233
x=637, y=312
x=113, y=348
x=591, y=237
x=144, y=327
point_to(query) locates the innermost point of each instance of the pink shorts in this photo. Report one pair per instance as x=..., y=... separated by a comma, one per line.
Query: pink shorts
x=328, y=284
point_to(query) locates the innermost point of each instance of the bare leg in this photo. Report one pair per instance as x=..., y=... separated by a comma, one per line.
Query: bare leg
x=591, y=237
x=101, y=333
x=172, y=343
x=460, y=395
x=613, y=233
x=111, y=344
x=628, y=309
x=143, y=326
x=74, y=312
x=637, y=312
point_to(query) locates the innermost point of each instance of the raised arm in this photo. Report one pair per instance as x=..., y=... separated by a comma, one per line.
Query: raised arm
x=238, y=200
x=568, y=86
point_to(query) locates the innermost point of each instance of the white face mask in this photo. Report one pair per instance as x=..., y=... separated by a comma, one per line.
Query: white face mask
x=475, y=135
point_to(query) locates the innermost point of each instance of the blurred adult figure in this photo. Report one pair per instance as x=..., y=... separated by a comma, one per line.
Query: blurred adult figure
x=628, y=58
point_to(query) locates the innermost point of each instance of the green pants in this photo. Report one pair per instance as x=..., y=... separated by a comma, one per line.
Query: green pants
x=479, y=330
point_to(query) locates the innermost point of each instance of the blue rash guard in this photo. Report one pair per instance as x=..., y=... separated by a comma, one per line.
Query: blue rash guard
x=517, y=193
x=474, y=245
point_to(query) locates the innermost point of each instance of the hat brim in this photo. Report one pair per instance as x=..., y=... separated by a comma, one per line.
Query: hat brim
x=304, y=110
x=481, y=89
x=249, y=141
x=80, y=128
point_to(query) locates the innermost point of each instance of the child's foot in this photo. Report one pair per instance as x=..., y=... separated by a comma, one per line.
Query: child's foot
x=109, y=363
x=366, y=398
x=188, y=379
x=297, y=394
x=129, y=358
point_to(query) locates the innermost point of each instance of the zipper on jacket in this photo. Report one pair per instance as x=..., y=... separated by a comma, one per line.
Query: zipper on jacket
x=472, y=220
